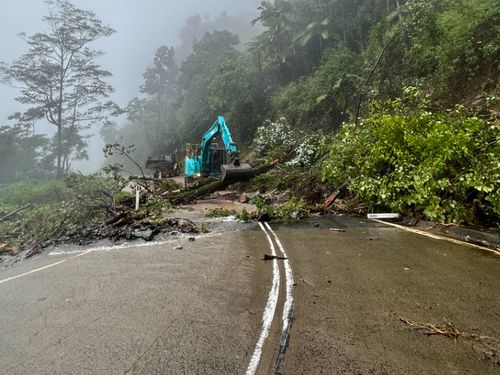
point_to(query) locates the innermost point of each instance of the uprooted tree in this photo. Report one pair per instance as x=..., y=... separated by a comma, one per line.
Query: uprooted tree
x=60, y=80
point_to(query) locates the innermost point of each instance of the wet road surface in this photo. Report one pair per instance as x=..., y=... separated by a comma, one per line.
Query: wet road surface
x=203, y=309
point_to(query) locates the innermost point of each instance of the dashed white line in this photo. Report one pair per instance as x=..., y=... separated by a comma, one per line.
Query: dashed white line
x=268, y=316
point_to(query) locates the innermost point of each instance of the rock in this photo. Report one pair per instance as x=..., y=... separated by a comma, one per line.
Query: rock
x=243, y=198
x=146, y=235
x=192, y=239
x=316, y=224
x=179, y=247
x=337, y=230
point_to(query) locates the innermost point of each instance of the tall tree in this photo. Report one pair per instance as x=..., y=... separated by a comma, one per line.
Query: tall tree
x=23, y=154
x=155, y=113
x=60, y=79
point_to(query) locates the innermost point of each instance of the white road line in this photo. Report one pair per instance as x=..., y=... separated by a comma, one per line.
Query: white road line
x=287, y=309
x=435, y=236
x=80, y=253
x=268, y=316
x=32, y=271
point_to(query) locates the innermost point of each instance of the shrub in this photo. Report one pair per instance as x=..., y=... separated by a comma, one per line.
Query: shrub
x=274, y=139
x=409, y=159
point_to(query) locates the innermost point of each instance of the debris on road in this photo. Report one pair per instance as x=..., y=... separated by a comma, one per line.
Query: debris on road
x=264, y=218
x=390, y=215
x=272, y=257
x=337, y=230
x=488, y=346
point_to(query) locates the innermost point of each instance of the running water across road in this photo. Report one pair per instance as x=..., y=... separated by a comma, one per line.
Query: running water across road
x=209, y=307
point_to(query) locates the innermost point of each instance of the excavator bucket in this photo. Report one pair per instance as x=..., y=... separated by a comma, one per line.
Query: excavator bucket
x=232, y=173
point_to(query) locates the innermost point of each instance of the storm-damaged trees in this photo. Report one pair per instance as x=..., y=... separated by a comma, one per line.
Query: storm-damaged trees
x=60, y=80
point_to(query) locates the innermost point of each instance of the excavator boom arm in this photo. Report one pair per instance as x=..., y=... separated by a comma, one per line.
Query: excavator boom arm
x=218, y=127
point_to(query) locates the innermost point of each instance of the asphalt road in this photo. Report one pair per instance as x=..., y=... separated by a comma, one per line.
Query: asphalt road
x=335, y=306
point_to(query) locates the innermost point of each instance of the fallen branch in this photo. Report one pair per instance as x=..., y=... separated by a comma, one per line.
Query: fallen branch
x=15, y=212
x=490, y=346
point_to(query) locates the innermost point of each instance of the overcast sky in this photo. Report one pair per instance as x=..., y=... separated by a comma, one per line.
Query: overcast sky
x=141, y=27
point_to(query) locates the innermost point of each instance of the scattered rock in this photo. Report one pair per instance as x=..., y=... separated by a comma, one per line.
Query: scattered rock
x=179, y=247
x=244, y=198
x=146, y=235
x=4, y=248
x=192, y=239
x=316, y=224
x=337, y=230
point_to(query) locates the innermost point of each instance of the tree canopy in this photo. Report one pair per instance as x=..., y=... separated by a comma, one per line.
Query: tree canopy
x=60, y=81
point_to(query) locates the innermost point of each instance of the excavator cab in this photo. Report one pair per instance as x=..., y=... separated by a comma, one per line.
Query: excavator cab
x=208, y=159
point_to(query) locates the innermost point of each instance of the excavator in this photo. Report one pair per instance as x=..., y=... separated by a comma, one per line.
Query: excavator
x=210, y=160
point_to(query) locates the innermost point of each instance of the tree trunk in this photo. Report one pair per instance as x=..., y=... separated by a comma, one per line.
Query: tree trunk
x=59, y=122
x=59, y=152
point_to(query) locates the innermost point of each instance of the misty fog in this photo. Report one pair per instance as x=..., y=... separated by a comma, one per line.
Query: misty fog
x=141, y=27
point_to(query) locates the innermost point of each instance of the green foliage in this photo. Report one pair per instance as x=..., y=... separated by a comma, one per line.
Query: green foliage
x=274, y=139
x=310, y=150
x=452, y=47
x=220, y=212
x=409, y=159
x=34, y=192
x=168, y=185
x=290, y=212
x=244, y=216
x=157, y=204
x=23, y=155
x=234, y=92
x=56, y=207
x=326, y=98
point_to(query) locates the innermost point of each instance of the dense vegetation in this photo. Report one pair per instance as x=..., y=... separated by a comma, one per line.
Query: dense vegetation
x=394, y=100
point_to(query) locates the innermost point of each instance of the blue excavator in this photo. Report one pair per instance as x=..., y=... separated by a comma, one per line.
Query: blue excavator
x=208, y=159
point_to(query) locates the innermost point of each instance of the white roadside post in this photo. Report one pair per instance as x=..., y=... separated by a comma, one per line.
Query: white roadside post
x=137, y=196
x=384, y=216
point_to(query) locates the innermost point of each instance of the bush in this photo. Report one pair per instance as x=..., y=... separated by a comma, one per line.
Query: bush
x=34, y=192
x=308, y=152
x=274, y=139
x=405, y=158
